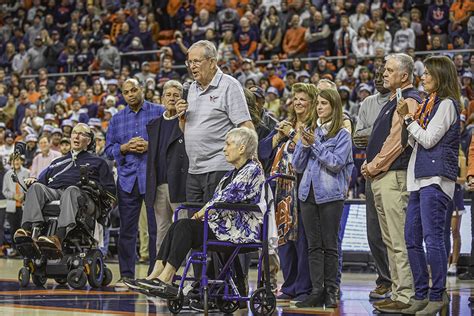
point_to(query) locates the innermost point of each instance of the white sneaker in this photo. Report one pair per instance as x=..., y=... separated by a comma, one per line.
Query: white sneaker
x=452, y=270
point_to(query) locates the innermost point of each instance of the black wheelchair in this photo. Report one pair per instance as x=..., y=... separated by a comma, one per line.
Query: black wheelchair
x=80, y=260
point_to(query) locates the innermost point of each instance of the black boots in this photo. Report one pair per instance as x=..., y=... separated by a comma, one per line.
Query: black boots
x=330, y=297
x=315, y=299
x=320, y=297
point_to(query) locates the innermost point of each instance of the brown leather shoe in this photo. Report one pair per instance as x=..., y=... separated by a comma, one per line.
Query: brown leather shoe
x=382, y=302
x=394, y=307
x=50, y=246
x=21, y=233
x=50, y=241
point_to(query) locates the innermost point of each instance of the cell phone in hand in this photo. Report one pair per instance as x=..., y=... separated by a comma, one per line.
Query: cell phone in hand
x=399, y=94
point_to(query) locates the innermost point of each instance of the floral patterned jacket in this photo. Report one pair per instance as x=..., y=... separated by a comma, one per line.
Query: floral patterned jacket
x=245, y=187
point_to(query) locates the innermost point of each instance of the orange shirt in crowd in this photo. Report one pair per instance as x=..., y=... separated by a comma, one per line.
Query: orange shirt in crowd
x=239, y=5
x=97, y=99
x=470, y=160
x=277, y=82
x=461, y=11
x=71, y=99
x=173, y=7
x=294, y=40
x=209, y=5
x=33, y=96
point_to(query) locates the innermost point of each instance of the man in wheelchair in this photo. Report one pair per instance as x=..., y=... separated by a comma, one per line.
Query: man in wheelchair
x=61, y=180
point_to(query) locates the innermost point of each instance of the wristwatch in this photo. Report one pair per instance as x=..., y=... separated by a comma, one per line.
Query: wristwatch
x=292, y=133
x=408, y=119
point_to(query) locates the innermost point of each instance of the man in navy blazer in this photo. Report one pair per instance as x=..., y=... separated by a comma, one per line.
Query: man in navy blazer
x=167, y=163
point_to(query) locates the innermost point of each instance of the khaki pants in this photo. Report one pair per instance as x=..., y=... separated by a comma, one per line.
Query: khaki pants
x=391, y=200
x=164, y=211
x=143, y=232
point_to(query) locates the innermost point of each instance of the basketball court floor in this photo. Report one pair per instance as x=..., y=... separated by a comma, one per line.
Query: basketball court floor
x=55, y=300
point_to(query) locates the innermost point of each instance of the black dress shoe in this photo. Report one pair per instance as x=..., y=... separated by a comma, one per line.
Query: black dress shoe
x=159, y=288
x=330, y=298
x=315, y=299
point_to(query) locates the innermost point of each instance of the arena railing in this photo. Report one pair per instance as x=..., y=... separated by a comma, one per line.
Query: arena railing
x=259, y=62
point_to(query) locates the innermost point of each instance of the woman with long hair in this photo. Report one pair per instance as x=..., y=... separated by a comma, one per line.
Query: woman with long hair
x=324, y=156
x=431, y=178
x=292, y=244
x=380, y=39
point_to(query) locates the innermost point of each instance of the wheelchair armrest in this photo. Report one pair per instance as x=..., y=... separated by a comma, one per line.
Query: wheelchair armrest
x=192, y=205
x=239, y=207
x=188, y=206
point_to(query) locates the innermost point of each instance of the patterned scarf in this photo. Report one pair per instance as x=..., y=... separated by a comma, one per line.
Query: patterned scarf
x=422, y=115
x=286, y=211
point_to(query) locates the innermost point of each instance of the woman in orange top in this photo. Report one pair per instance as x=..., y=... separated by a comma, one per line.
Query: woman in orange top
x=459, y=14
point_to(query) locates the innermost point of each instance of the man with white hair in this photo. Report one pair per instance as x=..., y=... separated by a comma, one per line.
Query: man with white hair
x=127, y=144
x=59, y=182
x=216, y=105
x=386, y=167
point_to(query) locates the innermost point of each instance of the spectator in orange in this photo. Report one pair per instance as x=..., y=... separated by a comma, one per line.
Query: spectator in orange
x=209, y=5
x=459, y=14
x=33, y=94
x=294, y=44
x=245, y=44
x=75, y=96
x=274, y=80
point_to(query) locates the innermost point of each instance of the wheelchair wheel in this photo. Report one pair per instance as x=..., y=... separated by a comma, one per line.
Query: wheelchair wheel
x=61, y=281
x=77, y=278
x=39, y=280
x=227, y=307
x=175, y=305
x=107, y=276
x=96, y=268
x=24, y=277
x=262, y=303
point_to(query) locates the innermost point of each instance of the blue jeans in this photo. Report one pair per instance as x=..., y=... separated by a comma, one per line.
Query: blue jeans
x=425, y=220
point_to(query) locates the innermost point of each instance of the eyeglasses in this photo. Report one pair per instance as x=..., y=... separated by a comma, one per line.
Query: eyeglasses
x=197, y=62
x=81, y=134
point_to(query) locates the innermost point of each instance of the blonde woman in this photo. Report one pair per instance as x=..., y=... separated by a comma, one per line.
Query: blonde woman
x=380, y=39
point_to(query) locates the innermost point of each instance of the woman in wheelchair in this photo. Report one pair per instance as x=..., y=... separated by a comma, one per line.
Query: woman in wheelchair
x=243, y=184
x=59, y=181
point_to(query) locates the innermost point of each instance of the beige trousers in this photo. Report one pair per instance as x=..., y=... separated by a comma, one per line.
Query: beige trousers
x=391, y=200
x=143, y=232
x=164, y=211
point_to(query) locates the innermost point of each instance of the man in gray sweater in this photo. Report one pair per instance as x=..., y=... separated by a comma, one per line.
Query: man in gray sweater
x=368, y=113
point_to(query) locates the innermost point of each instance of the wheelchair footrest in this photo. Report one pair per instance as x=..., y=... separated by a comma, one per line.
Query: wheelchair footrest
x=27, y=247
x=49, y=251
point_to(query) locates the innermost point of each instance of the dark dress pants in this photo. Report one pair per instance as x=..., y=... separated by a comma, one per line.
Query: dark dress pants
x=130, y=205
x=294, y=264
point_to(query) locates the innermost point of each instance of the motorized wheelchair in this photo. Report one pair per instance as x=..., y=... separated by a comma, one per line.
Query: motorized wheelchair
x=223, y=290
x=80, y=259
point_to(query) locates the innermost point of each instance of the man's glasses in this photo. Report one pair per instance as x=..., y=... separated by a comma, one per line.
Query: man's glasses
x=197, y=62
x=82, y=134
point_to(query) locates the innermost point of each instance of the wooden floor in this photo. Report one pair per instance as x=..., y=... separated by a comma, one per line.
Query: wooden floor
x=61, y=300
